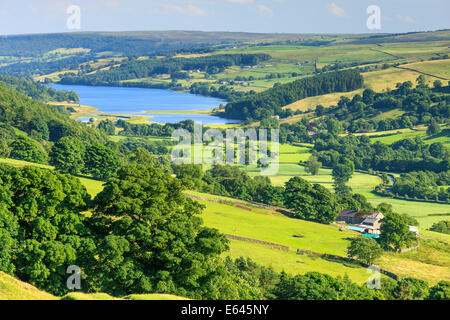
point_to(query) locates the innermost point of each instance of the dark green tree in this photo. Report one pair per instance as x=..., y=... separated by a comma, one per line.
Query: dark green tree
x=440, y=291
x=151, y=239
x=67, y=155
x=342, y=172
x=394, y=231
x=365, y=249
x=100, y=161
x=311, y=202
x=27, y=150
x=411, y=289
x=313, y=165
x=433, y=128
x=107, y=126
x=42, y=229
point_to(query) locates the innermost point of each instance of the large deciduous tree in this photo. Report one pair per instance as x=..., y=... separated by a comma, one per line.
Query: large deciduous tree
x=365, y=249
x=151, y=239
x=67, y=155
x=394, y=231
x=42, y=230
x=311, y=202
x=313, y=165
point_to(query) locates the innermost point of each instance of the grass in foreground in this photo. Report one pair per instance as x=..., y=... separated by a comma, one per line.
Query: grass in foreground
x=14, y=289
x=292, y=263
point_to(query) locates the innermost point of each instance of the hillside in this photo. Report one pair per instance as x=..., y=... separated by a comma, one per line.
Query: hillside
x=13, y=289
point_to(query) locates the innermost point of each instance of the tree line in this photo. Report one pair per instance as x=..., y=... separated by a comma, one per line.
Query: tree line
x=144, y=236
x=136, y=69
x=271, y=102
x=37, y=91
x=402, y=156
x=420, y=105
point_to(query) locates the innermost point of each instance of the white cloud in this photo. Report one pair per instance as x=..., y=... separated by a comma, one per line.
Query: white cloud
x=241, y=1
x=188, y=9
x=335, y=10
x=265, y=10
x=406, y=19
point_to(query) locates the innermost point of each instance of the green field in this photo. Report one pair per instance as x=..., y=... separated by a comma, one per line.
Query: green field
x=246, y=220
x=14, y=289
x=425, y=212
x=271, y=226
x=292, y=263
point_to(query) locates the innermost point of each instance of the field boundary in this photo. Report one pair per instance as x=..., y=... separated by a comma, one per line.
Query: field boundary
x=345, y=259
x=275, y=246
x=243, y=202
x=424, y=73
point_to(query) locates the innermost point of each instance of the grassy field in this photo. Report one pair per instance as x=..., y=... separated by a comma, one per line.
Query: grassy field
x=14, y=289
x=440, y=68
x=430, y=262
x=425, y=212
x=93, y=187
x=327, y=100
x=292, y=263
x=271, y=226
x=379, y=81
x=389, y=137
x=247, y=221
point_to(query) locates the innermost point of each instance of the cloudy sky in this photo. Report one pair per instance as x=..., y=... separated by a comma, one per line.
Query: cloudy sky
x=294, y=16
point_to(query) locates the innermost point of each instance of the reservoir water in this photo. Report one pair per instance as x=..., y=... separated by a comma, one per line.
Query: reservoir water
x=135, y=101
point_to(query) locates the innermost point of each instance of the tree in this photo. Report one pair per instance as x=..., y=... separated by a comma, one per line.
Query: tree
x=27, y=150
x=67, y=155
x=441, y=226
x=394, y=231
x=365, y=249
x=320, y=110
x=42, y=230
x=100, y=161
x=313, y=165
x=437, y=84
x=342, y=173
x=438, y=150
x=4, y=148
x=421, y=80
x=334, y=127
x=39, y=125
x=411, y=289
x=433, y=128
x=317, y=286
x=107, y=126
x=151, y=239
x=312, y=202
x=440, y=291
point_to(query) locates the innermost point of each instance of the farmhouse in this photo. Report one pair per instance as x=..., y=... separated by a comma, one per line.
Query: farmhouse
x=369, y=221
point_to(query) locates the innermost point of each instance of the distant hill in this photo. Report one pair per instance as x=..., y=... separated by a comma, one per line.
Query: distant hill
x=127, y=43
x=20, y=112
x=151, y=42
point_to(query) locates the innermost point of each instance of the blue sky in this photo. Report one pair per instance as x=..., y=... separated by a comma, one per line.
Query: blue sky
x=293, y=16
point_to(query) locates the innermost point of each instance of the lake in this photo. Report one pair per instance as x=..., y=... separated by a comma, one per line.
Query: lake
x=135, y=101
